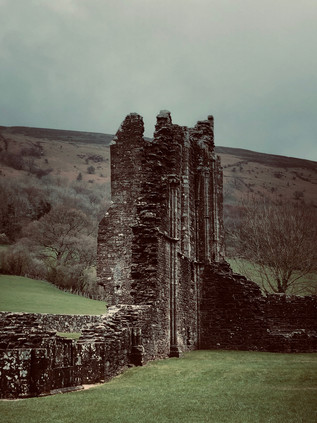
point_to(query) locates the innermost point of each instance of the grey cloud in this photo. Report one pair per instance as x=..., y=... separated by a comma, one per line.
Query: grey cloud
x=84, y=65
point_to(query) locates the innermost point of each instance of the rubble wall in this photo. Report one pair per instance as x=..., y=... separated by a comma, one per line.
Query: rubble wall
x=167, y=208
x=236, y=315
x=115, y=237
x=56, y=322
x=34, y=361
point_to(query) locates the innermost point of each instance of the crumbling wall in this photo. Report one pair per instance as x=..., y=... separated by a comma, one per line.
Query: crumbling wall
x=292, y=323
x=115, y=238
x=236, y=315
x=55, y=322
x=34, y=361
x=171, y=218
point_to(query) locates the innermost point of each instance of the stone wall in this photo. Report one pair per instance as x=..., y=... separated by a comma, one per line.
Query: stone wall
x=164, y=231
x=235, y=315
x=34, y=361
x=55, y=322
x=166, y=216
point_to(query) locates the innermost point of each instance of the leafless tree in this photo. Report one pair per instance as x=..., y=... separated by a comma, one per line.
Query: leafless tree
x=280, y=241
x=63, y=236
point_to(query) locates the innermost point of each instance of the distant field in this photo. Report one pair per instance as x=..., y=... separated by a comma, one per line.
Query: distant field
x=23, y=294
x=202, y=387
x=246, y=268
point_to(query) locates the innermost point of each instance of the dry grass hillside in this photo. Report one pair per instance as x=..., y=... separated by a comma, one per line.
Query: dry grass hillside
x=70, y=153
x=247, y=172
x=60, y=153
x=42, y=170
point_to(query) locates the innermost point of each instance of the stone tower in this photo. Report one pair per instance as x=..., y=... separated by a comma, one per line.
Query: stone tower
x=164, y=225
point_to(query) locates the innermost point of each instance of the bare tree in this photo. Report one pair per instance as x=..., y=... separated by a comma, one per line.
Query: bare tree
x=64, y=240
x=280, y=241
x=62, y=235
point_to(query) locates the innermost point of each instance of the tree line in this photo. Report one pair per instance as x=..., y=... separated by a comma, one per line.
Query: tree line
x=50, y=226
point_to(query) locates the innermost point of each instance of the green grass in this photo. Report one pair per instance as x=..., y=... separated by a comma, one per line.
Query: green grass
x=307, y=284
x=204, y=386
x=23, y=294
x=69, y=335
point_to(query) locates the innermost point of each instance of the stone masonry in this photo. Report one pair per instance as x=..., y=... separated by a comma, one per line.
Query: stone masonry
x=164, y=224
x=161, y=244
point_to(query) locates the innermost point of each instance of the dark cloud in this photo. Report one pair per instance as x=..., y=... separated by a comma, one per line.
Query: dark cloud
x=75, y=64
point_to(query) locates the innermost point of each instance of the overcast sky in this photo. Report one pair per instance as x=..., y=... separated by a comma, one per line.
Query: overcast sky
x=86, y=64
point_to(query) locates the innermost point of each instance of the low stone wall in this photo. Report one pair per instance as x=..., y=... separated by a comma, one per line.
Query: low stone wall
x=292, y=323
x=57, y=322
x=235, y=315
x=35, y=361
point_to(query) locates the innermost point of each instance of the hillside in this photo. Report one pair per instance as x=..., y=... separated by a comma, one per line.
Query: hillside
x=70, y=153
x=51, y=179
x=24, y=294
x=60, y=153
x=247, y=172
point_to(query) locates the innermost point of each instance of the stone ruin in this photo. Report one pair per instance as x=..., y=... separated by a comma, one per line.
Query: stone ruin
x=161, y=263
x=164, y=224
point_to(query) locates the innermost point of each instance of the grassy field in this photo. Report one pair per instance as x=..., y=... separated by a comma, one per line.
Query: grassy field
x=23, y=294
x=204, y=386
x=69, y=335
x=308, y=283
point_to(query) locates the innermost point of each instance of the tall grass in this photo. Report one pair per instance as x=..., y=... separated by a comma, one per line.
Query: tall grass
x=204, y=386
x=24, y=294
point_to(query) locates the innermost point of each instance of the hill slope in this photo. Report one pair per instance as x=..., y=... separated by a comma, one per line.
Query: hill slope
x=70, y=153
x=23, y=294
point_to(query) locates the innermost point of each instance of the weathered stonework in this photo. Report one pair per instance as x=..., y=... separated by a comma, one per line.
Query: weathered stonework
x=161, y=244
x=165, y=222
x=235, y=315
x=35, y=361
x=53, y=322
x=161, y=262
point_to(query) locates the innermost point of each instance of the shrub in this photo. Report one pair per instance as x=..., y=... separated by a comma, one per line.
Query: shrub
x=14, y=160
x=39, y=173
x=91, y=170
x=31, y=151
x=298, y=195
x=17, y=260
x=4, y=239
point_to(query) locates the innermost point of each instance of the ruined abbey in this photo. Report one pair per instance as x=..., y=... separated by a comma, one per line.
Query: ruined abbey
x=161, y=263
x=164, y=225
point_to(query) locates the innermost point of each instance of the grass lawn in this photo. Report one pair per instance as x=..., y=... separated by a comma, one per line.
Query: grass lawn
x=69, y=335
x=246, y=268
x=23, y=294
x=202, y=387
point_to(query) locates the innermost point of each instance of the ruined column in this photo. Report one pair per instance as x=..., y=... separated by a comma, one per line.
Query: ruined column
x=115, y=235
x=173, y=182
